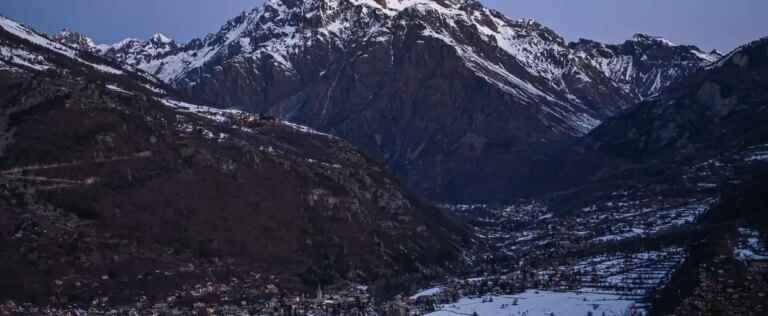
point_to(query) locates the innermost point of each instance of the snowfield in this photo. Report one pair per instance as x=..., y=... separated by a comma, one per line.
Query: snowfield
x=544, y=303
x=223, y=115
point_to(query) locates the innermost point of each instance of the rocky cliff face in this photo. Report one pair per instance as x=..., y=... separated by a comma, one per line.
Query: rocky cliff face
x=645, y=65
x=453, y=96
x=76, y=40
x=137, y=52
x=111, y=186
x=719, y=109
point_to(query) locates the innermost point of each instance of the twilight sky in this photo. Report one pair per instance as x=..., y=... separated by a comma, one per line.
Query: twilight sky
x=707, y=23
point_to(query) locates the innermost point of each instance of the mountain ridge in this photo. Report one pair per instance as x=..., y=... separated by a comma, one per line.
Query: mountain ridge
x=421, y=85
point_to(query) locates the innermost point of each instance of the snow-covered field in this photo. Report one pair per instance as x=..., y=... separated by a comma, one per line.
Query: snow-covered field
x=750, y=247
x=544, y=303
x=427, y=292
x=756, y=153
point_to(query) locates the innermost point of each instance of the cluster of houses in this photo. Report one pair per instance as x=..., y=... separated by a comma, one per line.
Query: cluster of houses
x=352, y=300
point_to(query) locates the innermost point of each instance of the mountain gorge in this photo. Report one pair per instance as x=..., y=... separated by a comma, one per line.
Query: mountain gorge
x=449, y=94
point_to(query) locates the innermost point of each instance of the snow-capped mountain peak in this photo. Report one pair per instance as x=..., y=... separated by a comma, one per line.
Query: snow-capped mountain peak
x=161, y=38
x=737, y=56
x=493, y=46
x=134, y=51
x=76, y=40
x=645, y=64
x=46, y=50
x=399, y=5
x=652, y=39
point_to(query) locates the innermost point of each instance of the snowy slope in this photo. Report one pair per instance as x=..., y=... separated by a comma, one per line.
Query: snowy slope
x=72, y=44
x=24, y=51
x=644, y=65
x=281, y=31
x=136, y=52
x=13, y=55
x=523, y=58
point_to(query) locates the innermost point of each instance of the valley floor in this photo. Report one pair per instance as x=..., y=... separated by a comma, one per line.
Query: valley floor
x=616, y=256
x=534, y=302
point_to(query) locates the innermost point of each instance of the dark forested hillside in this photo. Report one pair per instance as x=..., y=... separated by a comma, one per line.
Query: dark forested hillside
x=113, y=189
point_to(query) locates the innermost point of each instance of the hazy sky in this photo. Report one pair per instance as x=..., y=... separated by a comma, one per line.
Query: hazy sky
x=721, y=24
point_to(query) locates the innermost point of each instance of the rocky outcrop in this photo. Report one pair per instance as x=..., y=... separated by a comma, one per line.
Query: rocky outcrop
x=134, y=52
x=76, y=40
x=645, y=65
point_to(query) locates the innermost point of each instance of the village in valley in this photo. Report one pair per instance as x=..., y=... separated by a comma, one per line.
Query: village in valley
x=618, y=252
